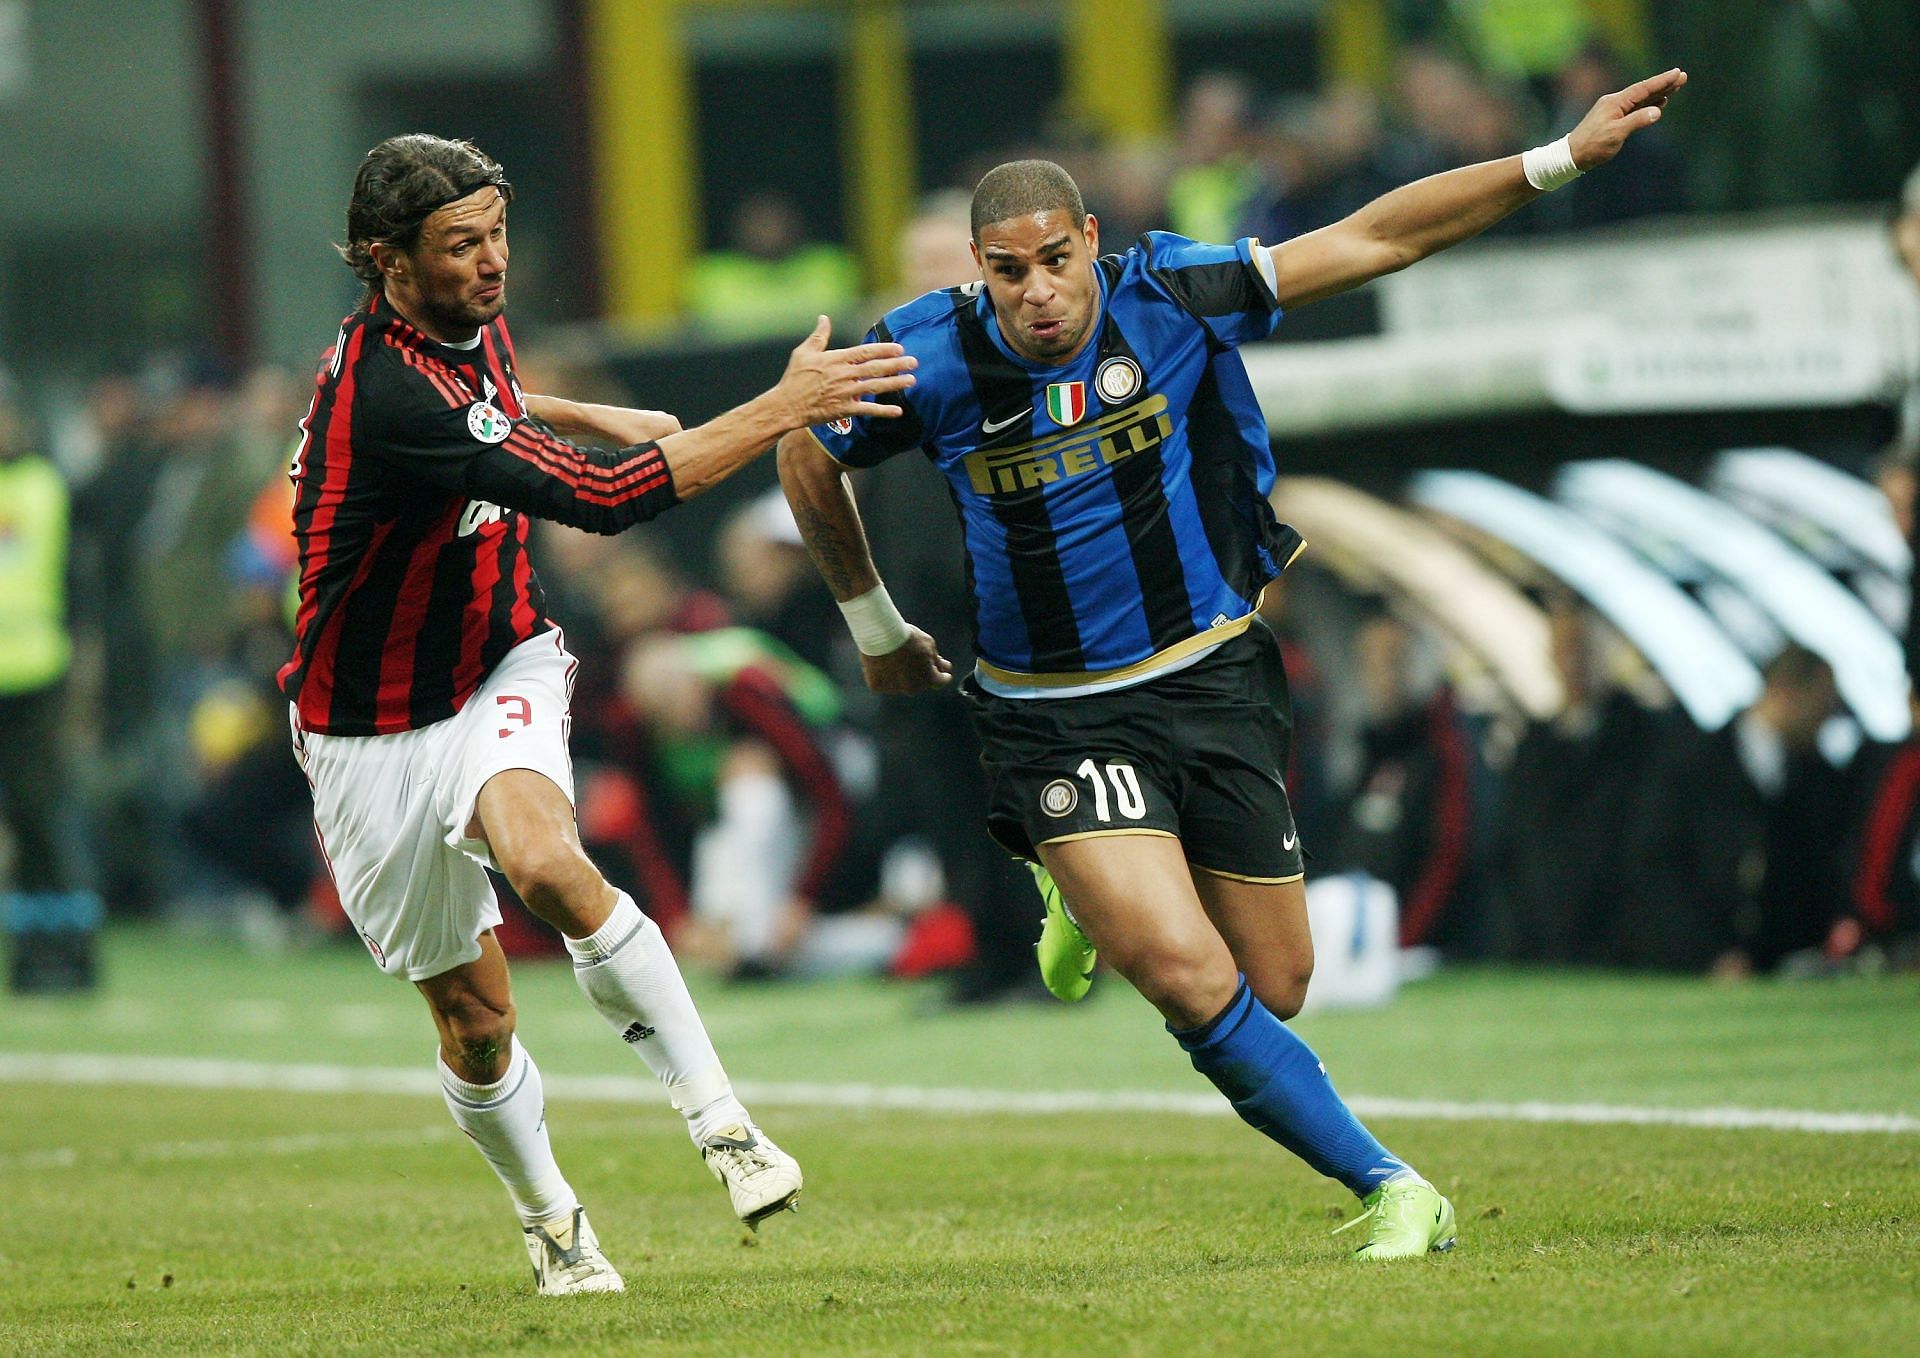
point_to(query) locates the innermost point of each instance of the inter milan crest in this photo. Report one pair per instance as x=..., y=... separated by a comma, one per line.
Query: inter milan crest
x=1066, y=402
x=1117, y=380
x=1059, y=797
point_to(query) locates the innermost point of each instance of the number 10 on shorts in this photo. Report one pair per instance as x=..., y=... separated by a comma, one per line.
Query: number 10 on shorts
x=1126, y=789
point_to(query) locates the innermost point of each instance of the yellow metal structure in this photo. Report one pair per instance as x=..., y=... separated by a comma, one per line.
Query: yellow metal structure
x=1356, y=42
x=876, y=111
x=1117, y=65
x=649, y=205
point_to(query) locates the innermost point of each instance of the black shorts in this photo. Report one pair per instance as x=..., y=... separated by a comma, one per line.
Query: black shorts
x=1197, y=754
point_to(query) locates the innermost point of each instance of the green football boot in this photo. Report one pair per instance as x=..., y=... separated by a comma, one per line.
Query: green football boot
x=1066, y=956
x=1405, y=1220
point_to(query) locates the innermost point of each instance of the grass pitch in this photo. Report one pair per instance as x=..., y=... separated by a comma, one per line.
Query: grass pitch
x=145, y=1218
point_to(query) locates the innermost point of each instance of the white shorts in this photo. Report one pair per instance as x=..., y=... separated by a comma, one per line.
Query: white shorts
x=393, y=811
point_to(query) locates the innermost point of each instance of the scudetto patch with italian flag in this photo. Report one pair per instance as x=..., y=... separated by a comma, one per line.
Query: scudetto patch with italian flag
x=1066, y=402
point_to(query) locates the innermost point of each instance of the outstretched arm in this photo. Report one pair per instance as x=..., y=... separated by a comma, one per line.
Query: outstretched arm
x=894, y=656
x=1428, y=215
x=620, y=426
x=820, y=384
x=607, y=490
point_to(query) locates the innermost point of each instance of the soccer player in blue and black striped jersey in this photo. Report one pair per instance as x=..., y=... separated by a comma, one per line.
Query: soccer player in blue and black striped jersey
x=1110, y=468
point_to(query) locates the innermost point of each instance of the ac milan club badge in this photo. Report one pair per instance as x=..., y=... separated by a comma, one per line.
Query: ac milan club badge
x=843, y=425
x=1066, y=402
x=1117, y=380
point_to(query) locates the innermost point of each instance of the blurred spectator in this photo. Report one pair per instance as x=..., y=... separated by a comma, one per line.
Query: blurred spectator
x=611, y=594
x=110, y=616
x=1736, y=862
x=203, y=490
x=1898, y=474
x=1646, y=179
x=176, y=600
x=769, y=278
x=1129, y=181
x=252, y=814
x=934, y=249
x=1322, y=157
x=50, y=918
x=1886, y=884
x=1567, y=806
x=1408, y=819
x=1217, y=178
x=772, y=585
x=1308, y=779
x=732, y=742
x=1436, y=95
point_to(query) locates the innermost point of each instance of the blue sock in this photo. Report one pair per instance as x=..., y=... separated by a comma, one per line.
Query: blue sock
x=1275, y=1082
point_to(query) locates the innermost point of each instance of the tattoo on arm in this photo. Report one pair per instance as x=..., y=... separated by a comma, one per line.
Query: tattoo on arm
x=838, y=558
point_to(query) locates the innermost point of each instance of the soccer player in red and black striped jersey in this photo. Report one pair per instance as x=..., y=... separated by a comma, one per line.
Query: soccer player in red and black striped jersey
x=430, y=690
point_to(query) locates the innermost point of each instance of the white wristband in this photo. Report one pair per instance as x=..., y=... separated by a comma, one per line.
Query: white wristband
x=876, y=624
x=1548, y=167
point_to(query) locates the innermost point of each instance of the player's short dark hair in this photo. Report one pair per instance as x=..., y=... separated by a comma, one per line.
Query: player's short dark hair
x=1021, y=188
x=400, y=184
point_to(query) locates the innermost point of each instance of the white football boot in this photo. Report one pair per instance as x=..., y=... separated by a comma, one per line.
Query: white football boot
x=567, y=1259
x=760, y=1177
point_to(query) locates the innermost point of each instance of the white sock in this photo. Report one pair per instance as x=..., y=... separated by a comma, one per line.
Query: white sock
x=630, y=975
x=508, y=1122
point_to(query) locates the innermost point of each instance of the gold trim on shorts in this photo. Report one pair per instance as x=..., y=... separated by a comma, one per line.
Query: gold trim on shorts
x=1242, y=877
x=1101, y=834
x=1159, y=660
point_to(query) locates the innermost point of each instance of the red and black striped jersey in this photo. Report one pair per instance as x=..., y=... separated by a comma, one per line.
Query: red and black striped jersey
x=413, y=483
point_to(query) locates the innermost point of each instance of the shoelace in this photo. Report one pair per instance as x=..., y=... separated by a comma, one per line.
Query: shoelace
x=746, y=1160
x=583, y=1267
x=1367, y=1215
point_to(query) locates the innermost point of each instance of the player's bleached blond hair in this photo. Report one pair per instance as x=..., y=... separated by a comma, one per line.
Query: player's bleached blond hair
x=1020, y=188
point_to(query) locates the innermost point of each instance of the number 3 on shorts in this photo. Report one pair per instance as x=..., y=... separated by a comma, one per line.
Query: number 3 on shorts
x=518, y=709
x=1126, y=789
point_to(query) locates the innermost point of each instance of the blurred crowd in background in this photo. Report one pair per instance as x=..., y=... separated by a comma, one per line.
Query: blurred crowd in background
x=779, y=820
x=1242, y=162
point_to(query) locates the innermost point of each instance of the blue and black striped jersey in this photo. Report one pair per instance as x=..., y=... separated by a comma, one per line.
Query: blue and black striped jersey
x=1114, y=507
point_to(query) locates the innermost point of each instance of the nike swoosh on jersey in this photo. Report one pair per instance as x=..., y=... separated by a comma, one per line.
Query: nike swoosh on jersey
x=1291, y=840
x=995, y=426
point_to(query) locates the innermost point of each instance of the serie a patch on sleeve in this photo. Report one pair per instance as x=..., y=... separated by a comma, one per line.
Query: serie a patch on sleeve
x=488, y=423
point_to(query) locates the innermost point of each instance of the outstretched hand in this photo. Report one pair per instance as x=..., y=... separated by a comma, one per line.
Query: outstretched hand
x=1615, y=117
x=913, y=667
x=831, y=384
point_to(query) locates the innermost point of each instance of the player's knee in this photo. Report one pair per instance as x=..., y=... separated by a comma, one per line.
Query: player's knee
x=552, y=879
x=1189, y=985
x=481, y=1031
x=1286, y=995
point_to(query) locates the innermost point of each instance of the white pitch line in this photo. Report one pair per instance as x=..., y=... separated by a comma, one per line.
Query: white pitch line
x=198, y=1073
x=251, y=1148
